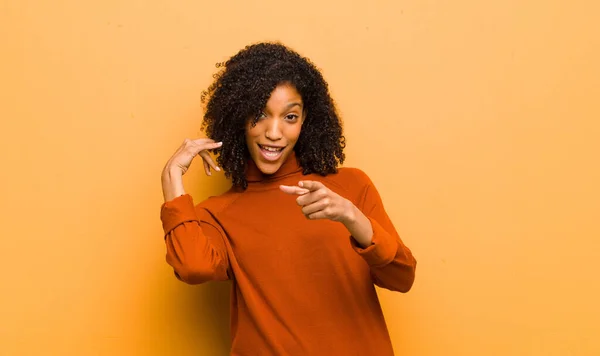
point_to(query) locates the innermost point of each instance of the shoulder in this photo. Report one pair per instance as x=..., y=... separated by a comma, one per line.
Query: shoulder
x=352, y=183
x=351, y=176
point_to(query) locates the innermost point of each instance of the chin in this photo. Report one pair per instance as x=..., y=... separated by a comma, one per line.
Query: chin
x=269, y=168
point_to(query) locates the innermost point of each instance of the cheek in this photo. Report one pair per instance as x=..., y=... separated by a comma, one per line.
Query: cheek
x=295, y=132
x=251, y=132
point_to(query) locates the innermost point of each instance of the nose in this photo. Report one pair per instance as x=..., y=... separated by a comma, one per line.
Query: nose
x=273, y=129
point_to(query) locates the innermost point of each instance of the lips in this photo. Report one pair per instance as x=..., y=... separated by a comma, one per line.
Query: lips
x=270, y=153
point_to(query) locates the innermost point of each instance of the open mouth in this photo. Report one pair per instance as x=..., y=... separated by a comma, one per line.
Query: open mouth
x=270, y=152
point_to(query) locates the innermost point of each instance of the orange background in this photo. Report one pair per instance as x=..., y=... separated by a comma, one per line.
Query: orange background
x=478, y=121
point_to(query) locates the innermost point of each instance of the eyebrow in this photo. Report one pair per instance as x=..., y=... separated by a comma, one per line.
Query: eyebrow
x=290, y=105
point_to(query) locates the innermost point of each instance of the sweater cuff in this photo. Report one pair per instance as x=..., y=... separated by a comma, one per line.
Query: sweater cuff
x=383, y=247
x=177, y=211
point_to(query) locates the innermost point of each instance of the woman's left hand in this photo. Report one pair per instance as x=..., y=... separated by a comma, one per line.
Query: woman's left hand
x=319, y=202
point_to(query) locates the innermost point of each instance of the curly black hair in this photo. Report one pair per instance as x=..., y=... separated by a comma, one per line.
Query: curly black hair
x=240, y=92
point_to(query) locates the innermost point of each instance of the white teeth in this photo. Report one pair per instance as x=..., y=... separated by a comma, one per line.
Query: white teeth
x=271, y=149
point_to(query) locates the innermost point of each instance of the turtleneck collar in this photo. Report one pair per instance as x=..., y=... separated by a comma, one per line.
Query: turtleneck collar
x=289, y=167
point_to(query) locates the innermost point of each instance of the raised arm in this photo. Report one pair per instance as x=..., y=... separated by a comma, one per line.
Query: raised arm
x=195, y=241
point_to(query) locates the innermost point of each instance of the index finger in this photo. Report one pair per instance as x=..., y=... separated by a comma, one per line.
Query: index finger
x=311, y=185
x=200, y=141
x=292, y=189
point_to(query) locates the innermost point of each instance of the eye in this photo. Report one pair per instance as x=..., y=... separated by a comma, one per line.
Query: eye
x=261, y=115
x=291, y=117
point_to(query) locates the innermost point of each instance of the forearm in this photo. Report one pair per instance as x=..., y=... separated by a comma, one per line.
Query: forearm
x=392, y=264
x=194, y=258
x=195, y=244
x=172, y=184
x=358, y=225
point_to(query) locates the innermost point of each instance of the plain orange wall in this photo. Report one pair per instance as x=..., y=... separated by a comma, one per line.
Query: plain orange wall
x=478, y=121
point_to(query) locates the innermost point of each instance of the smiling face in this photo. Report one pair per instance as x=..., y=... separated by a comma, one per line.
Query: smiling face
x=272, y=138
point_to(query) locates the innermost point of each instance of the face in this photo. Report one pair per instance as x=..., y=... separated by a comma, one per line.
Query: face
x=271, y=140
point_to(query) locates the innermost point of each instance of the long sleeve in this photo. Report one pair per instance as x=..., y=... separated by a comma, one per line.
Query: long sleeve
x=194, y=241
x=392, y=263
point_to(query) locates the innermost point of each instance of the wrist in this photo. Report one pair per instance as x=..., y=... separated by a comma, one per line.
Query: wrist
x=170, y=173
x=350, y=214
x=172, y=183
x=358, y=225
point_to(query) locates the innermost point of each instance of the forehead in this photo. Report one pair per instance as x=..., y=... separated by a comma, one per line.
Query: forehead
x=283, y=95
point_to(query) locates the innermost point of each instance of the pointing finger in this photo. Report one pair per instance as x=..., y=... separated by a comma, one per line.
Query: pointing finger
x=292, y=189
x=311, y=185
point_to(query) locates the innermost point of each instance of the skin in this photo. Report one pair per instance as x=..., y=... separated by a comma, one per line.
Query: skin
x=278, y=126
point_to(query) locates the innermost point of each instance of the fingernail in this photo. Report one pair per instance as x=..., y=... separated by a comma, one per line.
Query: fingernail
x=219, y=143
x=300, y=184
x=218, y=169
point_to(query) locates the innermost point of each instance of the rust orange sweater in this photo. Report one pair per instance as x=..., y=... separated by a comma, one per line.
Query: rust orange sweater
x=300, y=287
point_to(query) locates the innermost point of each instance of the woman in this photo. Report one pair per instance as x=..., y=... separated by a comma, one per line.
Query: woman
x=303, y=241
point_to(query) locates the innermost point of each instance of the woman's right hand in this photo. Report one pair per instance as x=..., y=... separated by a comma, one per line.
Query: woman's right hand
x=188, y=150
x=178, y=164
